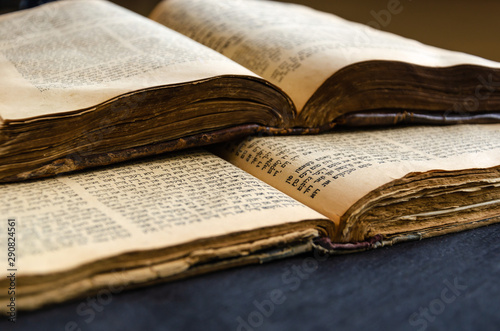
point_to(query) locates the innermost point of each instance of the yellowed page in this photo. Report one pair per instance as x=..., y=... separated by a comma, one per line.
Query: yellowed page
x=68, y=55
x=64, y=222
x=330, y=172
x=294, y=47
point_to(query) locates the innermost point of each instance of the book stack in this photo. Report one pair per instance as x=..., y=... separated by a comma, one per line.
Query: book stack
x=288, y=130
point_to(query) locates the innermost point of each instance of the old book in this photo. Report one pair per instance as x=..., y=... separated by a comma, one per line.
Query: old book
x=87, y=83
x=392, y=185
x=164, y=218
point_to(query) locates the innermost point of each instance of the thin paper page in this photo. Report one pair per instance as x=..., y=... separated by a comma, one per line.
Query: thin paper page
x=292, y=46
x=330, y=172
x=69, y=55
x=64, y=222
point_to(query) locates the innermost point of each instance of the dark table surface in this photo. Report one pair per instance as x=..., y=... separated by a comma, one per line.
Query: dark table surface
x=445, y=283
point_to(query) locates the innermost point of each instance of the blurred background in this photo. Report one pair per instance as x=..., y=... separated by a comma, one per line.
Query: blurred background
x=463, y=25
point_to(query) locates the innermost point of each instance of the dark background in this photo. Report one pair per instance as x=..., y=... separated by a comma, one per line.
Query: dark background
x=444, y=283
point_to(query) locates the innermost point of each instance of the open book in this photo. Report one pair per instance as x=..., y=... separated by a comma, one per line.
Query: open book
x=86, y=83
x=192, y=212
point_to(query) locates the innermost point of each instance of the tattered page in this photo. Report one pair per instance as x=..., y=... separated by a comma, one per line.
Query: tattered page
x=331, y=172
x=69, y=55
x=292, y=46
x=154, y=212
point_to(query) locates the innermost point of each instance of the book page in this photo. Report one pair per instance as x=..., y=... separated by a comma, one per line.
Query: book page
x=66, y=221
x=294, y=47
x=330, y=172
x=68, y=55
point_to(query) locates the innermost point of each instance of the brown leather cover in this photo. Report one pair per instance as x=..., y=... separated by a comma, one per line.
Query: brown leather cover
x=74, y=162
x=381, y=118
